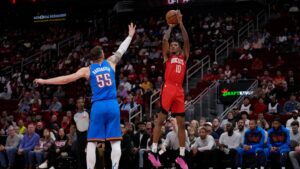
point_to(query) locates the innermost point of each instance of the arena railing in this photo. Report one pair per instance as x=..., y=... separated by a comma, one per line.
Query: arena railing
x=205, y=104
x=199, y=66
x=25, y=61
x=238, y=101
x=245, y=32
x=71, y=41
x=222, y=48
x=134, y=112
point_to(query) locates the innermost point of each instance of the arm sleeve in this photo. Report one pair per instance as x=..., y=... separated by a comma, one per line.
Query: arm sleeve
x=124, y=45
x=116, y=57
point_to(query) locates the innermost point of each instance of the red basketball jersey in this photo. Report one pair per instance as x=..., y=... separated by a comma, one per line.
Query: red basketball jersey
x=175, y=69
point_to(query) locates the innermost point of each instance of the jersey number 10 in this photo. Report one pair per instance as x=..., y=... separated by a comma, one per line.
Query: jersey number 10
x=104, y=80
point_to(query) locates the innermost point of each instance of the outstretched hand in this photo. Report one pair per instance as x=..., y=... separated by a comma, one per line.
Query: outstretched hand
x=39, y=81
x=131, y=28
x=179, y=17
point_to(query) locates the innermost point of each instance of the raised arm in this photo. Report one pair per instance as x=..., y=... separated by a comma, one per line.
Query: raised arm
x=116, y=57
x=61, y=80
x=185, y=36
x=165, y=43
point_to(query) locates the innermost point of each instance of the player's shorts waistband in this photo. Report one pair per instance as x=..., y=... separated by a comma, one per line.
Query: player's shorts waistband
x=173, y=84
x=103, y=100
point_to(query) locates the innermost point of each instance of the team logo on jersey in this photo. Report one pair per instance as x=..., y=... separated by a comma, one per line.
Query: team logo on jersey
x=177, y=61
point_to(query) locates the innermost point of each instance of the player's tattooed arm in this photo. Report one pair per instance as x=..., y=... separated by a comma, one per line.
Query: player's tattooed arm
x=116, y=57
x=185, y=36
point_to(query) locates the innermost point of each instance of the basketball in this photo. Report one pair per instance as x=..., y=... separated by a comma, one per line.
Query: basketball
x=171, y=17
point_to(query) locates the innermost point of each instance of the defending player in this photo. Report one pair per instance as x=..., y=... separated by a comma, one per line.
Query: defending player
x=105, y=112
x=172, y=93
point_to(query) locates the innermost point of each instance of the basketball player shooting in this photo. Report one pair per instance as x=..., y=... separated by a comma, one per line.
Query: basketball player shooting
x=105, y=112
x=172, y=93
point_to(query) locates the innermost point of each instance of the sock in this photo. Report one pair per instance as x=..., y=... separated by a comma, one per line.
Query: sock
x=182, y=151
x=91, y=155
x=154, y=147
x=115, y=153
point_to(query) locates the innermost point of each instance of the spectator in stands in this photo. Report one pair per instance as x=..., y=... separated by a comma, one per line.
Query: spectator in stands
x=126, y=84
x=266, y=76
x=65, y=123
x=146, y=85
x=273, y=106
x=195, y=124
x=216, y=127
x=70, y=106
x=295, y=142
x=128, y=67
x=40, y=151
x=259, y=107
x=55, y=106
x=39, y=129
x=122, y=92
x=290, y=105
x=10, y=148
x=53, y=122
x=129, y=105
x=170, y=146
x=246, y=55
x=294, y=135
x=246, y=106
x=292, y=82
x=63, y=148
x=153, y=74
x=253, y=145
x=192, y=135
x=295, y=117
x=278, y=143
x=278, y=79
x=17, y=130
x=59, y=93
x=214, y=69
x=241, y=129
x=30, y=140
x=24, y=104
x=209, y=129
x=140, y=143
x=22, y=127
x=202, y=149
x=257, y=65
x=126, y=147
x=7, y=92
x=227, y=71
x=244, y=117
x=229, y=119
x=229, y=143
x=279, y=62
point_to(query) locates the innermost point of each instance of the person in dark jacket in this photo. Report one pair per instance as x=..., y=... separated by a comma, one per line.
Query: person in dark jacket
x=126, y=148
x=278, y=143
x=253, y=145
x=140, y=142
